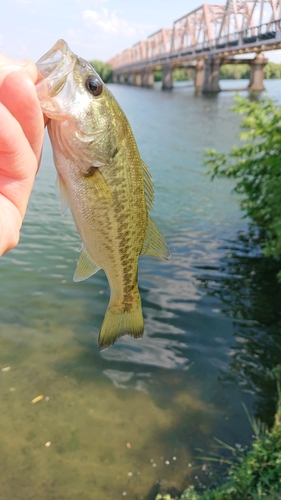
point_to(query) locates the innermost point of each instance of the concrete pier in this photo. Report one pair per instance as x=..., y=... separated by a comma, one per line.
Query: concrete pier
x=138, y=80
x=257, y=73
x=167, y=77
x=212, y=75
x=148, y=78
x=199, y=76
x=131, y=79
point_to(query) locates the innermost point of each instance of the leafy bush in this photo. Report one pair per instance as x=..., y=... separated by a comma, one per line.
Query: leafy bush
x=256, y=167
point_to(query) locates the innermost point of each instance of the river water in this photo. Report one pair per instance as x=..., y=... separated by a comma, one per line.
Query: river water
x=115, y=424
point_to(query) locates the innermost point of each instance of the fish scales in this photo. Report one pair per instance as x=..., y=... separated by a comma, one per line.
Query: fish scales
x=103, y=181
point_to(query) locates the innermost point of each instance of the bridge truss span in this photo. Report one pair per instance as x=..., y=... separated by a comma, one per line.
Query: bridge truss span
x=208, y=35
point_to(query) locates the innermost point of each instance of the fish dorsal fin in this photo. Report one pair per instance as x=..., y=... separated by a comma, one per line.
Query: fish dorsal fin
x=154, y=243
x=86, y=267
x=62, y=195
x=148, y=187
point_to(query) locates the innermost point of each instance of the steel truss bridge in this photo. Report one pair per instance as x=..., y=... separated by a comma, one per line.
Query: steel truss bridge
x=204, y=39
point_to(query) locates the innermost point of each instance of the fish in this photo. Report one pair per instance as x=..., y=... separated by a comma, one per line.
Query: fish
x=103, y=181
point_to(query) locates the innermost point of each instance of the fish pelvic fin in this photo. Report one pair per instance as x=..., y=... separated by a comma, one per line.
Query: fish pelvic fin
x=86, y=267
x=117, y=323
x=154, y=243
x=61, y=195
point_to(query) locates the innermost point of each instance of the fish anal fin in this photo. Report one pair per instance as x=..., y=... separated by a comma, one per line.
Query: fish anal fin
x=86, y=267
x=117, y=323
x=62, y=195
x=154, y=243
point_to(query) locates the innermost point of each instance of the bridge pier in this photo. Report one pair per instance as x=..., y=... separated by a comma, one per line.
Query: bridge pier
x=257, y=73
x=138, y=80
x=212, y=75
x=115, y=78
x=167, y=77
x=122, y=78
x=131, y=79
x=199, y=76
x=148, y=78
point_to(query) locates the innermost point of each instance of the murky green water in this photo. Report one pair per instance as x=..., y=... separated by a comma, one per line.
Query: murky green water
x=114, y=424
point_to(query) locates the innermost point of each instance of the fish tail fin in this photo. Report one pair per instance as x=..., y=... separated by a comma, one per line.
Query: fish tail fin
x=119, y=322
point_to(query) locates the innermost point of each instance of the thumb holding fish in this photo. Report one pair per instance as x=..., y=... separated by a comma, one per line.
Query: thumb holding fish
x=21, y=139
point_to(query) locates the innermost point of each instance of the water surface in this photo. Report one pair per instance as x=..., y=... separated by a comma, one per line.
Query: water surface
x=114, y=424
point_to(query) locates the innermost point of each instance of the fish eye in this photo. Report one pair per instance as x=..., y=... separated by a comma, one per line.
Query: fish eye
x=94, y=85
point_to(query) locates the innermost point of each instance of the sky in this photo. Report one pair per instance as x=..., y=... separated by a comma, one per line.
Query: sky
x=94, y=29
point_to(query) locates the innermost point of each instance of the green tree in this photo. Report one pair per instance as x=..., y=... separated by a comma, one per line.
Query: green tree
x=234, y=71
x=256, y=167
x=103, y=69
x=158, y=74
x=272, y=70
x=183, y=74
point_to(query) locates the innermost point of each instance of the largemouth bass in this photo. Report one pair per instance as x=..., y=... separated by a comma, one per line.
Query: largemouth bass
x=103, y=181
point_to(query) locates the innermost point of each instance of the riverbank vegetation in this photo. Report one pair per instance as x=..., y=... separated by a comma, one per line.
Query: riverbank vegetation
x=256, y=168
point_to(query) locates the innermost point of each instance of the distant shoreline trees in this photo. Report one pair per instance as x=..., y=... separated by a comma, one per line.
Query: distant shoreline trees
x=227, y=72
x=241, y=71
x=103, y=69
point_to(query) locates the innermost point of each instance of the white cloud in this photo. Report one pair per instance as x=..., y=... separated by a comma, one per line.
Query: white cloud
x=109, y=23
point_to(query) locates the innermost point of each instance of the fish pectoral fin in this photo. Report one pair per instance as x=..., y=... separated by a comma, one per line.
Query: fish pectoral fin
x=154, y=243
x=99, y=187
x=86, y=267
x=62, y=195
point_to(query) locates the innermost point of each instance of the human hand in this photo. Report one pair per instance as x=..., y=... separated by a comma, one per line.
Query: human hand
x=21, y=140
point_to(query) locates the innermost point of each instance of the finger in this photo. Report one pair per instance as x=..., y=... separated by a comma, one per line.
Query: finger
x=8, y=65
x=18, y=95
x=18, y=164
x=10, y=224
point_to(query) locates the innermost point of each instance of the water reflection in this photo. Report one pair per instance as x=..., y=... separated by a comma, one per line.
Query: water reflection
x=251, y=297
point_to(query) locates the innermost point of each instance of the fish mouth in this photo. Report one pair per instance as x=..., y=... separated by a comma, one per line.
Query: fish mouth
x=53, y=69
x=54, y=60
